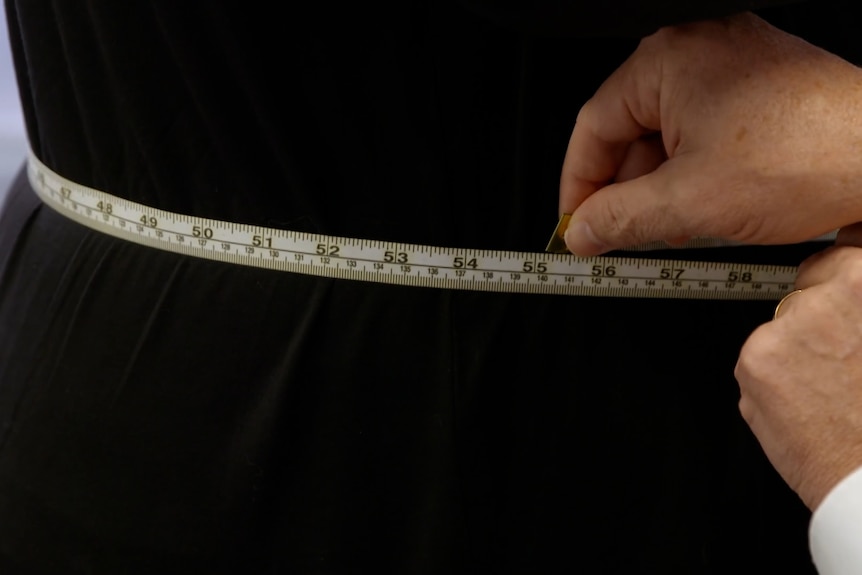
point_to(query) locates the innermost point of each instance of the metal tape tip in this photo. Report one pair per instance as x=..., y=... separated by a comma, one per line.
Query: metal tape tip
x=557, y=243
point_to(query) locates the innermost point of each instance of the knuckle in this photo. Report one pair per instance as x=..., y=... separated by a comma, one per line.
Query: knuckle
x=841, y=264
x=747, y=410
x=588, y=115
x=758, y=356
x=815, y=259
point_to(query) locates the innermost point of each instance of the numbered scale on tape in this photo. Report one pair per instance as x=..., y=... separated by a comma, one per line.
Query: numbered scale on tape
x=406, y=264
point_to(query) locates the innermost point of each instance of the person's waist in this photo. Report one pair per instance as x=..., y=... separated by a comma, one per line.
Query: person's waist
x=419, y=265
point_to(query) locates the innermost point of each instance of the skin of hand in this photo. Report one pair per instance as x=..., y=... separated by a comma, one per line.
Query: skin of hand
x=729, y=128
x=800, y=375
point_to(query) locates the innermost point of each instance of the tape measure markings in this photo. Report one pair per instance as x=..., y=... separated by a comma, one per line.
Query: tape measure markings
x=406, y=264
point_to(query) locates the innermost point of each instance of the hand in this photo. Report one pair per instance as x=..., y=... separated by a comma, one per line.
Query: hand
x=728, y=128
x=800, y=376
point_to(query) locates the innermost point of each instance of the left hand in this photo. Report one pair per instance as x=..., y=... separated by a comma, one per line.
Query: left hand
x=800, y=375
x=730, y=128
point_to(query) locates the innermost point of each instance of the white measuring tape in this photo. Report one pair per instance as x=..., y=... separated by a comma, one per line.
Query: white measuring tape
x=406, y=264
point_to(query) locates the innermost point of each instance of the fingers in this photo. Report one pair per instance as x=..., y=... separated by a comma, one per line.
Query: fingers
x=623, y=109
x=785, y=303
x=637, y=211
x=823, y=267
x=842, y=259
x=850, y=236
x=590, y=163
x=642, y=157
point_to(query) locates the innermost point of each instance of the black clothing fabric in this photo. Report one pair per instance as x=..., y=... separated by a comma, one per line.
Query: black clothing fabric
x=619, y=18
x=166, y=414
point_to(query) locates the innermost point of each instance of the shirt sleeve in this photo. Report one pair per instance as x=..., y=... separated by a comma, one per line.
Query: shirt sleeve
x=835, y=533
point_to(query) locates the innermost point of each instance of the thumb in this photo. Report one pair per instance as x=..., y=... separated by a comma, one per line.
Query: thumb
x=637, y=211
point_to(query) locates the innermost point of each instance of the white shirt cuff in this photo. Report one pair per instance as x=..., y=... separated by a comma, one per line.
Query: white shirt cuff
x=835, y=532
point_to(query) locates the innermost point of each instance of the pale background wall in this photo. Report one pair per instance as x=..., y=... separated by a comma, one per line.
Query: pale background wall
x=13, y=142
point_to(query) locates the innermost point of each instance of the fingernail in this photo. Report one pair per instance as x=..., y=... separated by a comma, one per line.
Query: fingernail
x=581, y=240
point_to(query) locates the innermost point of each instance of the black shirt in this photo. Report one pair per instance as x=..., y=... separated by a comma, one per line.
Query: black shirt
x=165, y=414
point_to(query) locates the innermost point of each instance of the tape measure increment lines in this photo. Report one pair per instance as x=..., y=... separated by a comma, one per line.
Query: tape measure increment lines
x=406, y=264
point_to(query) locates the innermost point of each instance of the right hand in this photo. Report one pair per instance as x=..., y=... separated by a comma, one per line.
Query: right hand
x=800, y=376
x=729, y=128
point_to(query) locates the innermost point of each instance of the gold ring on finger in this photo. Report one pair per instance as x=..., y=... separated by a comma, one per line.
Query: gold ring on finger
x=784, y=299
